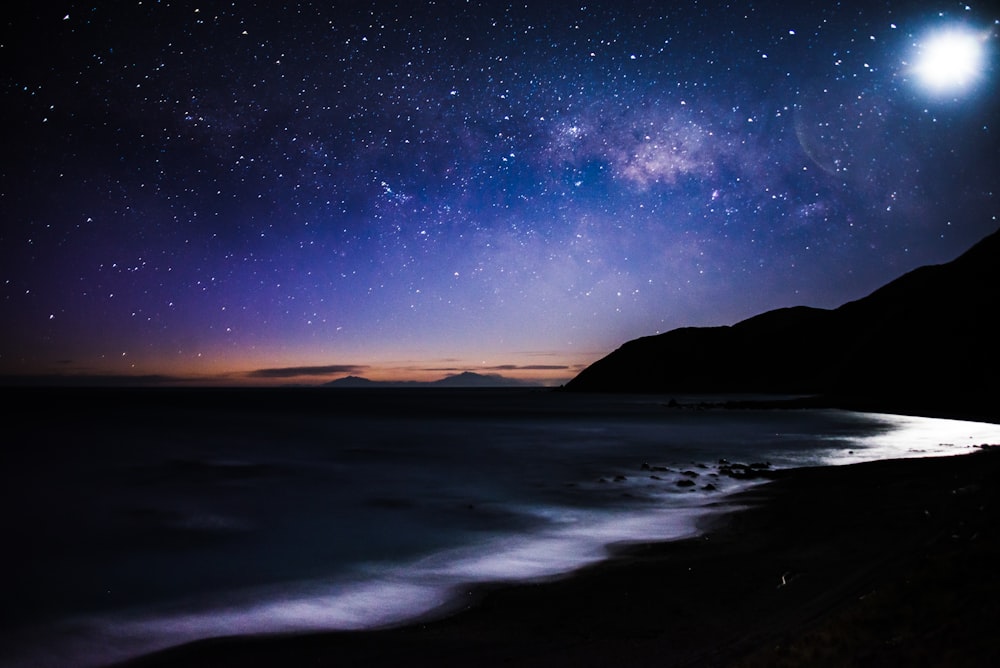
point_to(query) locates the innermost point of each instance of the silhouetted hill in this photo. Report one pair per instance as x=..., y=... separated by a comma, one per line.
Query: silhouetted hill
x=466, y=379
x=470, y=379
x=352, y=381
x=930, y=331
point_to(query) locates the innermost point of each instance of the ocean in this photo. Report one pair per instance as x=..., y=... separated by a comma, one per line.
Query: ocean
x=135, y=520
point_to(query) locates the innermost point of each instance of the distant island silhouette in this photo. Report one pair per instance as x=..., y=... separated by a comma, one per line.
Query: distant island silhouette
x=466, y=379
x=927, y=337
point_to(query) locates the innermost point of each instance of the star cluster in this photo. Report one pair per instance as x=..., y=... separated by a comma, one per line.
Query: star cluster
x=198, y=191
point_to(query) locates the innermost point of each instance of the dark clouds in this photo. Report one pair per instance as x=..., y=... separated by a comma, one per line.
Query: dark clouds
x=295, y=371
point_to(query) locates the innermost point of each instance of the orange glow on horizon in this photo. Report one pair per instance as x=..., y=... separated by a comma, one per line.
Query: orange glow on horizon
x=546, y=369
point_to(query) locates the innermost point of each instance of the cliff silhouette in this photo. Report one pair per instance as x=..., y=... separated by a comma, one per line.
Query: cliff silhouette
x=930, y=332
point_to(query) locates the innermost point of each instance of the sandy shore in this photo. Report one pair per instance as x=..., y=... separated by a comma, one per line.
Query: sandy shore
x=883, y=563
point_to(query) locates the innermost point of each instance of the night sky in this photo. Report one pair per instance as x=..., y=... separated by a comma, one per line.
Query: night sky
x=267, y=192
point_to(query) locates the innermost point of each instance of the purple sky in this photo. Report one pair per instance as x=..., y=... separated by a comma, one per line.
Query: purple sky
x=276, y=192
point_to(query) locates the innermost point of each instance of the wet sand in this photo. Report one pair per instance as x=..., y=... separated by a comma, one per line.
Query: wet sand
x=882, y=563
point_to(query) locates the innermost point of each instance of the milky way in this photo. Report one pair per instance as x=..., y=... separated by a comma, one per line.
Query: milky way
x=292, y=192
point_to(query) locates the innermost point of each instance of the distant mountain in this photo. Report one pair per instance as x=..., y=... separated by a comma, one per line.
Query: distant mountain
x=352, y=381
x=464, y=379
x=470, y=379
x=929, y=332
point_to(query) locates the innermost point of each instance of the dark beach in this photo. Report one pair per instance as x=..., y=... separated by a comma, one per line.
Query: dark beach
x=881, y=563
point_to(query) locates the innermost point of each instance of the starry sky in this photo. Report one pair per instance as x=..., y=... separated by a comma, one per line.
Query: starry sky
x=272, y=193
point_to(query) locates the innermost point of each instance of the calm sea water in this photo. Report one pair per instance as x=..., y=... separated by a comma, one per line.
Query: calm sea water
x=137, y=522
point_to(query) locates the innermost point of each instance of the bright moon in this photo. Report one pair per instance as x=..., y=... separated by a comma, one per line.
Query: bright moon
x=950, y=60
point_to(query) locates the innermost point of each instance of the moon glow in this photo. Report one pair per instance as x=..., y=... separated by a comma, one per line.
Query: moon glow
x=950, y=61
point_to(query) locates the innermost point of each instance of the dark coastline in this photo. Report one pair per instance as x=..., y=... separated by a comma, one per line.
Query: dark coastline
x=882, y=563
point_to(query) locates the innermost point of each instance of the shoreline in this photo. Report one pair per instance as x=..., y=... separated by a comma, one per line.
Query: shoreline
x=884, y=562
x=971, y=408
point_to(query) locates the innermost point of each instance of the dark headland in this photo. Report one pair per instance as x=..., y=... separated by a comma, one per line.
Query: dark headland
x=876, y=564
x=925, y=343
